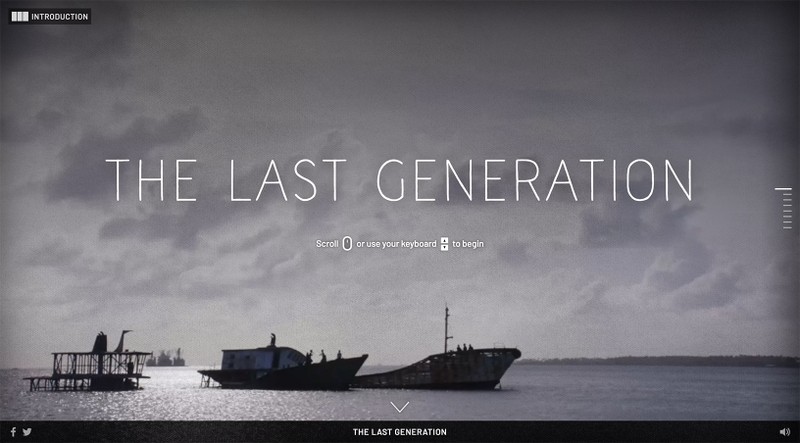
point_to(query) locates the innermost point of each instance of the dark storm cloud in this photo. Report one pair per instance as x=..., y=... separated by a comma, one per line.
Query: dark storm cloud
x=14, y=129
x=552, y=183
x=89, y=55
x=133, y=277
x=626, y=222
x=56, y=253
x=439, y=80
x=157, y=226
x=514, y=252
x=83, y=162
x=185, y=221
x=181, y=229
x=250, y=242
x=338, y=144
x=772, y=131
x=504, y=188
x=733, y=126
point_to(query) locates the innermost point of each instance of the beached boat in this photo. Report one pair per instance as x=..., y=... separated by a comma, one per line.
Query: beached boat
x=98, y=370
x=463, y=369
x=280, y=367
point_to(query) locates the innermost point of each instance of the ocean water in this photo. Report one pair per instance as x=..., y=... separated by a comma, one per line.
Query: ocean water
x=529, y=392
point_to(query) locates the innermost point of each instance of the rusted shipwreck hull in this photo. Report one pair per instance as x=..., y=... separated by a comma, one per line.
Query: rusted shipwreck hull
x=463, y=370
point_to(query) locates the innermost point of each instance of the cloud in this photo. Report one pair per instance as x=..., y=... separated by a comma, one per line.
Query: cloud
x=685, y=276
x=682, y=263
x=250, y=242
x=157, y=226
x=182, y=223
x=779, y=294
x=716, y=288
x=771, y=128
x=593, y=300
x=83, y=162
x=626, y=222
x=54, y=252
x=514, y=252
x=14, y=129
x=87, y=55
x=566, y=88
x=782, y=275
x=688, y=276
x=181, y=226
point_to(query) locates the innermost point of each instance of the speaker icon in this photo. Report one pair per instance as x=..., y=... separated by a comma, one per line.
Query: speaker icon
x=785, y=432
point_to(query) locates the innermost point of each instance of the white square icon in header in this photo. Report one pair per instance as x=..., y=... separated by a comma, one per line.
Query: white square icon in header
x=19, y=16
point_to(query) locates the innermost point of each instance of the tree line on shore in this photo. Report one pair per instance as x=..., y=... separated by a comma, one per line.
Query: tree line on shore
x=674, y=360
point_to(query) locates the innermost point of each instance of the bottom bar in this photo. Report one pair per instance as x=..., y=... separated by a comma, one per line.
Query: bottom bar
x=444, y=431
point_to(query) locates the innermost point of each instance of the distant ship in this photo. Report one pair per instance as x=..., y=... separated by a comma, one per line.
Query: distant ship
x=98, y=370
x=281, y=368
x=165, y=359
x=464, y=369
x=178, y=361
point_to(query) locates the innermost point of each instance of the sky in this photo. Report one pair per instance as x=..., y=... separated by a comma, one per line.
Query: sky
x=714, y=83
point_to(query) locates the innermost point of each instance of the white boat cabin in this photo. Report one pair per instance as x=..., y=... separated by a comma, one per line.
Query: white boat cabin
x=270, y=357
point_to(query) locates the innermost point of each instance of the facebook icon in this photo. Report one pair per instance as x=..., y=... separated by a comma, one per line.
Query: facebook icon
x=13, y=431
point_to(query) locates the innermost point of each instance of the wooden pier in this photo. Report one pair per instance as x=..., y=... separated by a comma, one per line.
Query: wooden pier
x=207, y=382
x=98, y=370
